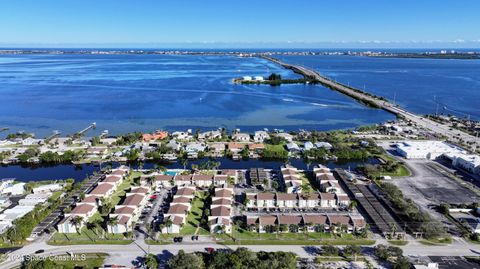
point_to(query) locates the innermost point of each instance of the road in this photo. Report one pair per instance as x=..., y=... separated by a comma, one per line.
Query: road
x=125, y=254
x=438, y=128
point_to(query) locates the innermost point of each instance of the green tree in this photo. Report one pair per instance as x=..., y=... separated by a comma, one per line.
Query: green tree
x=76, y=222
x=151, y=261
x=186, y=261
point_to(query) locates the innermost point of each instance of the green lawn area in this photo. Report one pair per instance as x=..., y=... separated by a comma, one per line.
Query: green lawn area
x=402, y=171
x=436, y=241
x=195, y=215
x=56, y=195
x=87, y=237
x=92, y=260
x=243, y=237
x=398, y=242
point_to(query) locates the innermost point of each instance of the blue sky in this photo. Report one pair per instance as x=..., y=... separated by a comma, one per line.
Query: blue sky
x=248, y=23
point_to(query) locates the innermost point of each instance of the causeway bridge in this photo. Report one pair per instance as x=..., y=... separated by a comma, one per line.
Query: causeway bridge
x=453, y=135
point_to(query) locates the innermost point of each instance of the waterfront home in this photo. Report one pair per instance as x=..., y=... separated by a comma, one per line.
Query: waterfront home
x=182, y=180
x=308, y=145
x=235, y=147
x=285, y=136
x=31, y=141
x=328, y=200
x=164, y=181
x=48, y=188
x=324, y=145
x=247, y=78
x=324, y=177
x=182, y=135
x=256, y=147
x=210, y=135
x=202, y=180
x=293, y=147
x=217, y=149
x=158, y=135
x=220, y=180
x=14, y=188
x=241, y=137
x=93, y=152
x=174, y=145
x=193, y=148
x=260, y=136
x=231, y=173
x=34, y=199
x=265, y=200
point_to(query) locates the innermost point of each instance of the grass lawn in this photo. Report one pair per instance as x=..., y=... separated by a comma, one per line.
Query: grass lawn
x=243, y=237
x=195, y=215
x=87, y=237
x=92, y=260
x=436, y=241
x=398, y=242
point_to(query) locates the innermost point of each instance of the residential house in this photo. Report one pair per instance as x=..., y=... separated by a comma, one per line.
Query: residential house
x=164, y=181
x=265, y=200
x=316, y=223
x=286, y=200
x=292, y=222
x=266, y=223
x=241, y=137
x=260, y=136
x=327, y=200
x=182, y=180
x=202, y=180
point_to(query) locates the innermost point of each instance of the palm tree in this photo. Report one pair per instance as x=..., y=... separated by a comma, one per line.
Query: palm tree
x=184, y=163
x=393, y=227
x=169, y=224
x=352, y=205
x=112, y=222
x=76, y=222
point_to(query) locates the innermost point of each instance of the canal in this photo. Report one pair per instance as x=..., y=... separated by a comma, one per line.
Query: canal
x=80, y=172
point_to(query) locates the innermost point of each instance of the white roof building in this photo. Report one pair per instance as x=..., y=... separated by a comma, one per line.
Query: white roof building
x=260, y=136
x=241, y=137
x=308, y=145
x=15, y=189
x=47, y=188
x=429, y=149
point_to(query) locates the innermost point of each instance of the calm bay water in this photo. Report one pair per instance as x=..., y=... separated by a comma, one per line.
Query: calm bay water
x=123, y=93
x=416, y=84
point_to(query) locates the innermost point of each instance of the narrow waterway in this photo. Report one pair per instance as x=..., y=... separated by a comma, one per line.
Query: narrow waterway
x=79, y=172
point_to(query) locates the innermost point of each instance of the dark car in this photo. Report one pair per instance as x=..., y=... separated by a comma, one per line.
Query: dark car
x=39, y=251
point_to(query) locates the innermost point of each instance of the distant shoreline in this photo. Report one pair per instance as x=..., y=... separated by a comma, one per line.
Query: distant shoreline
x=441, y=54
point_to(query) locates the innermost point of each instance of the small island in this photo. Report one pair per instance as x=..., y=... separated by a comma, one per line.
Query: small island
x=274, y=80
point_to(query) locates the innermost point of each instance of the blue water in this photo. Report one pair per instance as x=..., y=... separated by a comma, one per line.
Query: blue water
x=123, y=93
x=80, y=172
x=416, y=84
